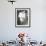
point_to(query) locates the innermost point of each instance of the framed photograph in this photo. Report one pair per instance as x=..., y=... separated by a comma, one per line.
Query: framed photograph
x=22, y=17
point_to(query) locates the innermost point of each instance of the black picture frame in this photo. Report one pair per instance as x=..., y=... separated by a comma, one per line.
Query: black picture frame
x=22, y=17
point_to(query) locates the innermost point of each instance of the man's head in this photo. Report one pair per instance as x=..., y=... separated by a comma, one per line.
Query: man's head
x=22, y=16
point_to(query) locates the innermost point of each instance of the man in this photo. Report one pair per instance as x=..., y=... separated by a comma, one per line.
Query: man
x=22, y=18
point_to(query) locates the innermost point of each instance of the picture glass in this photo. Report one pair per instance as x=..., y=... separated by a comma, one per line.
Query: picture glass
x=22, y=17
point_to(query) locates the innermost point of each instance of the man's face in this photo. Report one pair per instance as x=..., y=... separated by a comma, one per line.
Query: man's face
x=22, y=16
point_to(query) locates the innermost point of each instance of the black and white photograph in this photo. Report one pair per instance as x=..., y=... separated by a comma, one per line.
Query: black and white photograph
x=22, y=17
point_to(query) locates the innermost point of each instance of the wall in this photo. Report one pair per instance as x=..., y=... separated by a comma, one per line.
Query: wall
x=8, y=31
